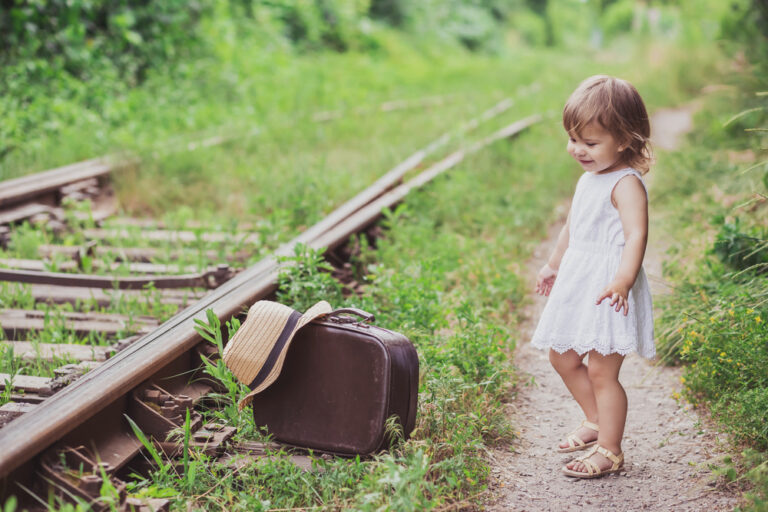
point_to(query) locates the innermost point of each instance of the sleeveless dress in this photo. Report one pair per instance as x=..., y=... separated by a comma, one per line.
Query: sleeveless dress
x=570, y=319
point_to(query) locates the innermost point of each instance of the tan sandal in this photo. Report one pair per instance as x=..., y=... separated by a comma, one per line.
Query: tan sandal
x=575, y=443
x=593, y=470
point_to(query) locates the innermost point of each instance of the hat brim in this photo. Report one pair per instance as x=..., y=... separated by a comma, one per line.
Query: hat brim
x=267, y=331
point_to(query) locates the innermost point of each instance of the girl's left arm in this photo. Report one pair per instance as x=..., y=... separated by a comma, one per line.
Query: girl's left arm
x=631, y=201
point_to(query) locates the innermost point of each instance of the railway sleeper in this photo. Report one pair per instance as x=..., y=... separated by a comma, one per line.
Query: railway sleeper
x=30, y=390
x=12, y=410
x=35, y=351
x=211, y=278
x=18, y=322
x=68, y=266
x=172, y=236
x=245, y=453
x=136, y=254
x=53, y=294
x=34, y=389
x=30, y=211
x=77, y=471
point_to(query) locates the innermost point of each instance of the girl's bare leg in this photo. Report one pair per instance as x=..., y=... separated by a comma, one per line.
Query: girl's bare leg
x=573, y=371
x=603, y=373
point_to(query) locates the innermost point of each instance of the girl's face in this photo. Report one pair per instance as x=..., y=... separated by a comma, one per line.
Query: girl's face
x=595, y=149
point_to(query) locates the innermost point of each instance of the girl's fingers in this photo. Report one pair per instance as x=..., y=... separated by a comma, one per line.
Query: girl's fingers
x=618, y=301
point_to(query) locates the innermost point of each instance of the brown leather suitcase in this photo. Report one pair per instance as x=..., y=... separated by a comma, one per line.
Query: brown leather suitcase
x=342, y=378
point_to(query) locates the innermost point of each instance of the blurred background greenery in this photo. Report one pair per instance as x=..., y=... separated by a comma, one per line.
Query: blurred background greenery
x=69, y=69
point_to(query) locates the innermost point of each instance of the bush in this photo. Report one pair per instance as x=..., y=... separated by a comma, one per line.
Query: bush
x=132, y=35
x=532, y=28
x=742, y=249
x=617, y=18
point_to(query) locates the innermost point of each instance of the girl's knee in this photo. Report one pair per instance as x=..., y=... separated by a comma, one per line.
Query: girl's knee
x=601, y=375
x=565, y=362
x=604, y=369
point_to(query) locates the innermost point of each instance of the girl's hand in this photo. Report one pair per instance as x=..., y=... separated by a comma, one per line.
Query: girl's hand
x=618, y=294
x=545, y=280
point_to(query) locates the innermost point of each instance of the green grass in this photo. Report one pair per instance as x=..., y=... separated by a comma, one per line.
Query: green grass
x=712, y=208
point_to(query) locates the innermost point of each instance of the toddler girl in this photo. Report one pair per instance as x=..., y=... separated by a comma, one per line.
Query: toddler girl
x=599, y=301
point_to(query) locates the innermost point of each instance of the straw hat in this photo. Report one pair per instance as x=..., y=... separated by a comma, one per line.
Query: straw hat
x=256, y=352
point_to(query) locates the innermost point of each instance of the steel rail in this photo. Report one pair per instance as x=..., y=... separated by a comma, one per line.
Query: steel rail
x=20, y=189
x=32, y=433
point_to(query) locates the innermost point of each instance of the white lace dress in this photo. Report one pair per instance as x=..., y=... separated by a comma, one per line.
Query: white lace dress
x=570, y=319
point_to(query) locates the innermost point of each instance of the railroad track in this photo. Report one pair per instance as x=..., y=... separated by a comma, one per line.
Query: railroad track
x=140, y=367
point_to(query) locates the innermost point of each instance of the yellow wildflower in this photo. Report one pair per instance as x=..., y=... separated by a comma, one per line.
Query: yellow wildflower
x=729, y=360
x=682, y=380
x=712, y=319
x=722, y=354
x=758, y=319
x=730, y=312
x=750, y=311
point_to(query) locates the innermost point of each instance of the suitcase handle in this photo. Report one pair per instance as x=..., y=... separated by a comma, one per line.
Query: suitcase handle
x=335, y=315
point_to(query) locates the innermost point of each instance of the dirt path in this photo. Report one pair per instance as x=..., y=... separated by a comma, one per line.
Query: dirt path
x=667, y=446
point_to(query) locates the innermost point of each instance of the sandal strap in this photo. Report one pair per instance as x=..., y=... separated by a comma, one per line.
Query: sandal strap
x=592, y=468
x=571, y=438
x=588, y=454
x=608, y=454
x=574, y=440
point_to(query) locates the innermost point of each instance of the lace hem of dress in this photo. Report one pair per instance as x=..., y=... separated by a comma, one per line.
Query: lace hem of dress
x=647, y=351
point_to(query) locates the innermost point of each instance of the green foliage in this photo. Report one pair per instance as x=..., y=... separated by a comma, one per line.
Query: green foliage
x=755, y=467
x=721, y=332
x=10, y=504
x=714, y=321
x=227, y=409
x=746, y=23
x=307, y=279
x=69, y=36
x=335, y=24
x=742, y=250
x=149, y=446
x=617, y=18
x=533, y=28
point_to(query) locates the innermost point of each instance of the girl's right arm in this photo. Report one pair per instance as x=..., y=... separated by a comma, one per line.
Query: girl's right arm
x=548, y=272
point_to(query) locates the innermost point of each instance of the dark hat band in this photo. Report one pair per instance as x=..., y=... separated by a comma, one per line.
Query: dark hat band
x=275, y=352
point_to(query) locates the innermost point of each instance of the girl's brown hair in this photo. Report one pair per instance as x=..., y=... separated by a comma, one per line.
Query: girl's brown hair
x=617, y=106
